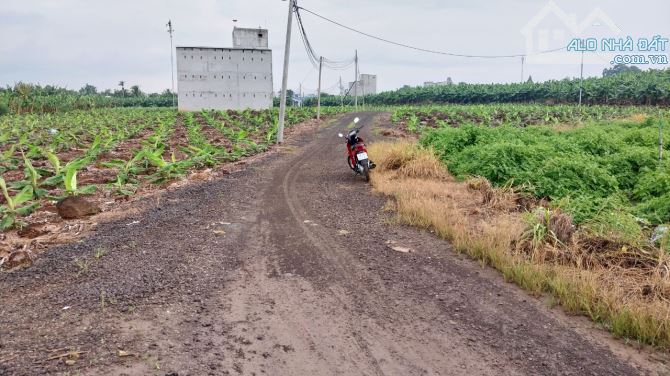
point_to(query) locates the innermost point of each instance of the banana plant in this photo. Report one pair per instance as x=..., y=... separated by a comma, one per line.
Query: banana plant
x=165, y=170
x=34, y=177
x=125, y=184
x=70, y=181
x=57, y=176
x=14, y=207
x=6, y=160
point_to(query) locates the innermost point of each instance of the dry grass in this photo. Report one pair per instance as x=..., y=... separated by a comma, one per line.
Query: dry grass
x=625, y=289
x=567, y=127
x=504, y=198
x=406, y=161
x=639, y=118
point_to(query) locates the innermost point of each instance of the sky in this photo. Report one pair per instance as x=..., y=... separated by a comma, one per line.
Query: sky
x=73, y=42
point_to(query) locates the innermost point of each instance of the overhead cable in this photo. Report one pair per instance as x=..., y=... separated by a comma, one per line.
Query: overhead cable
x=425, y=49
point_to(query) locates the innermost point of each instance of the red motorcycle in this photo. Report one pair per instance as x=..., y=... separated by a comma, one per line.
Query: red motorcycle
x=357, y=154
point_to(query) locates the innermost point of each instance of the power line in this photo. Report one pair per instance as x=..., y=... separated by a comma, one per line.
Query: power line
x=312, y=55
x=424, y=49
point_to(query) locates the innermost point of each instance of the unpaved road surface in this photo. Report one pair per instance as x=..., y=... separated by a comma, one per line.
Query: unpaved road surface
x=284, y=269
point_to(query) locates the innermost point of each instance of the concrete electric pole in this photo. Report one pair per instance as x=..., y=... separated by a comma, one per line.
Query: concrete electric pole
x=581, y=79
x=318, y=91
x=356, y=83
x=523, y=60
x=171, y=30
x=284, y=81
x=341, y=93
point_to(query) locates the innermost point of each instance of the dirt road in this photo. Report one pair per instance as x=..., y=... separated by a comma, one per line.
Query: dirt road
x=283, y=269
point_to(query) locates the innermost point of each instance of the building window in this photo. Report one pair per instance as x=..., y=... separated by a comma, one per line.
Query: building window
x=229, y=77
x=216, y=95
x=252, y=59
x=214, y=76
x=193, y=76
x=191, y=56
x=261, y=59
x=254, y=77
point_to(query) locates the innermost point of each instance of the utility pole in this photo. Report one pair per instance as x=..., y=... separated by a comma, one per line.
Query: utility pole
x=300, y=94
x=660, y=136
x=284, y=81
x=523, y=59
x=318, y=91
x=356, y=83
x=341, y=93
x=581, y=79
x=171, y=30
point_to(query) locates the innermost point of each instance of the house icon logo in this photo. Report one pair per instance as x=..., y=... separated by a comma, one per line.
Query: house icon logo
x=552, y=27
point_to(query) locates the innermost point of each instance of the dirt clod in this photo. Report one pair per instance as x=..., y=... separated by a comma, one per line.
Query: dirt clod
x=74, y=207
x=17, y=259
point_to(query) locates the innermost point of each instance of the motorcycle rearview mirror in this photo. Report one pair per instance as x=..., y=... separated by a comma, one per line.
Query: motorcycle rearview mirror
x=356, y=120
x=340, y=135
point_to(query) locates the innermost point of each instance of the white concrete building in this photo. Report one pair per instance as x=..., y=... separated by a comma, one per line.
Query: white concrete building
x=237, y=77
x=367, y=84
x=439, y=83
x=250, y=38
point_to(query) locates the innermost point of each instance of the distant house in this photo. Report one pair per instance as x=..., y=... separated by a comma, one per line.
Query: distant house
x=366, y=84
x=439, y=83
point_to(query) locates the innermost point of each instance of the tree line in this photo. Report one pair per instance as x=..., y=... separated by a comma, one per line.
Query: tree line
x=618, y=86
x=30, y=98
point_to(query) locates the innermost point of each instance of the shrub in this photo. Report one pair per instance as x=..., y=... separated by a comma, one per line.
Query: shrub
x=651, y=184
x=628, y=164
x=594, y=168
x=447, y=141
x=656, y=210
x=4, y=108
x=572, y=175
x=498, y=162
x=615, y=224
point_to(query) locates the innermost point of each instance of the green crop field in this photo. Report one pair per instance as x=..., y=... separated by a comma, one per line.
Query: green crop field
x=603, y=165
x=45, y=157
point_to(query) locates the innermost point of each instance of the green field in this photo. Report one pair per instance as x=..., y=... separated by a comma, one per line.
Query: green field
x=45, y=157
x=602, y=165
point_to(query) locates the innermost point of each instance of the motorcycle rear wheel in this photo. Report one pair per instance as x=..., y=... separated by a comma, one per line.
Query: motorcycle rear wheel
x=350, y=165
x=366, y=171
